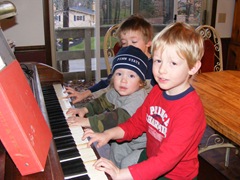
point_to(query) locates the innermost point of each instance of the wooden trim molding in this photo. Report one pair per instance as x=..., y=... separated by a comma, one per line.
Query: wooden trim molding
x=214, y=11
x=31, y=54
x=29, y=48
x=47, y=33
x=225, y=47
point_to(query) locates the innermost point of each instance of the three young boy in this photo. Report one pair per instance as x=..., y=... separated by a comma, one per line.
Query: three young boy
x=172, y=115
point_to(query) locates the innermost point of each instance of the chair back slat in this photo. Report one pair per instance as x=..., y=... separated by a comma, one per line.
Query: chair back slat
x=110, y=46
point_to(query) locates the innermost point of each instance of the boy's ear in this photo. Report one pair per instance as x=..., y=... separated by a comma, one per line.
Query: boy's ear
x=195, y=68
x=149, y=44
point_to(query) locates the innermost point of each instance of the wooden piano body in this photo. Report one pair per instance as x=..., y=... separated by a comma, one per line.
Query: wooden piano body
x=42, y=75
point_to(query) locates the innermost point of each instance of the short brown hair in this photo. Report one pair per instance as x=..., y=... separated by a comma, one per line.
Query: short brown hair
x=137, y=23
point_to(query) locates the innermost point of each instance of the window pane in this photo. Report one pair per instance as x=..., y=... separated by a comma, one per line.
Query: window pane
x=114, y=11
x=158, y=12
x=189, y=11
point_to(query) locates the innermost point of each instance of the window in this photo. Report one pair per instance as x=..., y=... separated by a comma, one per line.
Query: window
x=189, y=11
x=81, y=24
x=158, y=12
x=57, y=18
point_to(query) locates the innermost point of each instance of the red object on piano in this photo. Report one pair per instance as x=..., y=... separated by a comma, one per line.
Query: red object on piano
x=23, y=129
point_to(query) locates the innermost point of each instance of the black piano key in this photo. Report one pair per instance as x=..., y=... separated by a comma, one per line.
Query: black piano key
x=57, y=135
x=55, y=112
x=60, y=129
x=56, y=124
x=68, y=154
x=51, y=105
x=50, y=97
x=84, y=177
x=54, y=109
x=73, y=167
x=59, y=123
x=65, y=143
x=57, y=119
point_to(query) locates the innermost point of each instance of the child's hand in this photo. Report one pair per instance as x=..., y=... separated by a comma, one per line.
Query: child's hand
x=73, y=121
x=77, y=96
x=77, y=111
x=78, y=121
x=73, y=111
x=82, y=111
x=70, y=91
x=107, y=166
x=100, y=138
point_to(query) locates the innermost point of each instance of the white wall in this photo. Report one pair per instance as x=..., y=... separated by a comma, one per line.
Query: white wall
x=27, y=28
x=225, y=7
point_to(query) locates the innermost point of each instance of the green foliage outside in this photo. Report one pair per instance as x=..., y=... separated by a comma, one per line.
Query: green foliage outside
x=81, y=46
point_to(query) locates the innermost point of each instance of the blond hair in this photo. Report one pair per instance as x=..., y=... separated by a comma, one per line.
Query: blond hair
x=184, y=38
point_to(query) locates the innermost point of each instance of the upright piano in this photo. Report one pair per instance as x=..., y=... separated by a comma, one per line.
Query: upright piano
x=41, y=79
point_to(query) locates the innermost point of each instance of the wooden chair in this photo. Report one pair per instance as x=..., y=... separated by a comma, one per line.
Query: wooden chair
x=111, y=46
x=212, y=58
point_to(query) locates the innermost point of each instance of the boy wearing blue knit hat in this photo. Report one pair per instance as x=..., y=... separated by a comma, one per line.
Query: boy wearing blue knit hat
x=135, y=31
x=119, y=103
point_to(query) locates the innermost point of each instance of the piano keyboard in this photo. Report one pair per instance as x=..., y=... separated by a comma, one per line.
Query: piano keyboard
x=75, y=157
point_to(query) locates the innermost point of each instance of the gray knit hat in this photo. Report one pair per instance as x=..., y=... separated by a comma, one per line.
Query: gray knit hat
x=131, y=58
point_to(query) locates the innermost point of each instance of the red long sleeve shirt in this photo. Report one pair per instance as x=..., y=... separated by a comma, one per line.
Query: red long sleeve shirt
x=174, y=126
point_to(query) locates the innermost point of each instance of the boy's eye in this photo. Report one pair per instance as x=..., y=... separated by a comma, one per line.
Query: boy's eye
x=173, y=63
x=134, y=42
x=117, y=73
x=132, y=76
x=157, y=61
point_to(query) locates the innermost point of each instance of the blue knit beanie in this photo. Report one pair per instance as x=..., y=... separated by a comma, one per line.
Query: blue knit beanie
x=131, y=58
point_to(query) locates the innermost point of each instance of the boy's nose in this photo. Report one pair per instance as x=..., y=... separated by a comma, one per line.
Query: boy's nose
x=123, y=79
x=161, y=69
